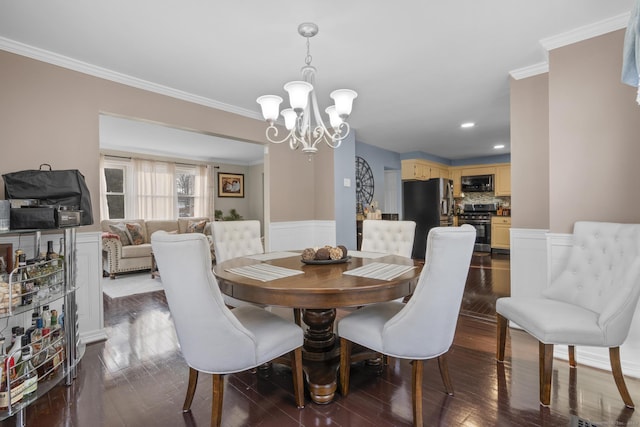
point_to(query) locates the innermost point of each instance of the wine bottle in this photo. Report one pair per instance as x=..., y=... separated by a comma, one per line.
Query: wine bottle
x=26, y=284
x=50, y=252
x=4, y=393
x=29, y=374
x=46, y=316
x=61, y=249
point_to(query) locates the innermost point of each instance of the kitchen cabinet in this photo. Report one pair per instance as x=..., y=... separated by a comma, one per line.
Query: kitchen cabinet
x=480, y=170
x=456, y=177
x=500, y=226
x=422, y=170
x=412, y=169
x=503, y=180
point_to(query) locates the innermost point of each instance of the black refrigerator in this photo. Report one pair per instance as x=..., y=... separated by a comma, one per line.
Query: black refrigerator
x=430, y=204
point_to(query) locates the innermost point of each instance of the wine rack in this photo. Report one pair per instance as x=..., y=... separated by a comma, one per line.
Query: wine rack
x=54, y=358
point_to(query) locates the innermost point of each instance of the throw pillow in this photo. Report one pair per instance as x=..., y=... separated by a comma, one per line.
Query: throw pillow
x=120, y=230
x=196, y=226
x=135, y=233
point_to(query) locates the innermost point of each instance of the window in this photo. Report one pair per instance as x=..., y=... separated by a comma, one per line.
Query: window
x=186, y=190
x=115, y=192
x=149, y=189
x=118, y=190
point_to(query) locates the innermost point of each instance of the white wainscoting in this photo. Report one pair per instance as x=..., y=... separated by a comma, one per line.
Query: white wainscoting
x=88, y=274
x=528, y=262
x=536, y=257
x=89, y=293
x=291, y=235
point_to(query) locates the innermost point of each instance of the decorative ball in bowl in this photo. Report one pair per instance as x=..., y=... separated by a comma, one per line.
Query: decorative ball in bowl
x=325, y=255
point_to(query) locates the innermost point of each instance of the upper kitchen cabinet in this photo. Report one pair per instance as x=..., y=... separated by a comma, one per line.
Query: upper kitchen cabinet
x=456, y=176
x=422, y=170
x=503, y=180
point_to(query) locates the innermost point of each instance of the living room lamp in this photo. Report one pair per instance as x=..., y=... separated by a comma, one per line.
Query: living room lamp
x=304, y=110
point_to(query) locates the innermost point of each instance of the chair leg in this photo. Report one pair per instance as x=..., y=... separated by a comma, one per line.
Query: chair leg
x=572, y=356
x=616, y=368
x=297, y=316
x=296, y=371
x=416, y=391
x=545, y=360
x=345, y=365
x=501, y=340
x=443, y=365
x=191, y=389
x=216, y=401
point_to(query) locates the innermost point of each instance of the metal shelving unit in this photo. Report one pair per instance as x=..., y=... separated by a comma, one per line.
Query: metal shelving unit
x=58, y=283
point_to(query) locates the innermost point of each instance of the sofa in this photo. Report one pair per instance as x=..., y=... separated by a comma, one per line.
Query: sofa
x=126, y=244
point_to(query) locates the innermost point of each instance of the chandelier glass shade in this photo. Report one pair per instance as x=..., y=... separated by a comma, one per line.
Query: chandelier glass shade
x=302, y=119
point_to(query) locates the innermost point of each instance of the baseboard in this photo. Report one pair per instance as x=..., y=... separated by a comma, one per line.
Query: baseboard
x=94, y=336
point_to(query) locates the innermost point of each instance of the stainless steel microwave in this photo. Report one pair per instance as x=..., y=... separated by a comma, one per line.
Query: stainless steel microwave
x=476, y=183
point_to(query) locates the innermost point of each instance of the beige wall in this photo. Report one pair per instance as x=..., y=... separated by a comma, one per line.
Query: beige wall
x=305, y=190
x=530, y=152
x=594, y=134
x=49, y=114
x=594, y=139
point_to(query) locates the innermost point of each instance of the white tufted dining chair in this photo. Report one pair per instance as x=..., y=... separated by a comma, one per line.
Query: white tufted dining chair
x=424, y=327
x=232, y=239
x=391, y=237
x=214, y=339
x=591, y=302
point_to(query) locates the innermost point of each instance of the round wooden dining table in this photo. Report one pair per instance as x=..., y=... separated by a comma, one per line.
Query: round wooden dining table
x=318, y=292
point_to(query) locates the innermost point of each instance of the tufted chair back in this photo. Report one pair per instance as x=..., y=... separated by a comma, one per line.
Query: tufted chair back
x=602, y=274
x=392, y=237
x=425, y=327
x=198, y=310
x=214, y=339
x=591, y=302
x=233, y=239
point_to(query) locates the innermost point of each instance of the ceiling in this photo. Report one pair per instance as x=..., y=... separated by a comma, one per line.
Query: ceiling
x=118, y=134
x=420, y=68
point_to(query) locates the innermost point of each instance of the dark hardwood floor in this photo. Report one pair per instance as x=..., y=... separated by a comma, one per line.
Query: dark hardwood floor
x=138, y=378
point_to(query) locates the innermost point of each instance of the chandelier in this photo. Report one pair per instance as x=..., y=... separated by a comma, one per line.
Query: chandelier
x=302, y=120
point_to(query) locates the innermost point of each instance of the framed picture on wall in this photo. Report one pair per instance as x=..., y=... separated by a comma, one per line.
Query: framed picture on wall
x=230, y=184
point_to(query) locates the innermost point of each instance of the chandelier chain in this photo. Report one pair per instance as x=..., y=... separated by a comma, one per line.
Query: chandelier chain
x=308, y=58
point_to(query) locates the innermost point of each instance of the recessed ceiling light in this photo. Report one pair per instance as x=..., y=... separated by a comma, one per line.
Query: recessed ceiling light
x=498, y=146
x=467, y=125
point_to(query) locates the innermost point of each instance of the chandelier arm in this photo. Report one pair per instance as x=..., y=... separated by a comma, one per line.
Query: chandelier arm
x=332, y=139
x=274, y=130
x=320, y=132
x=337, y=137
x=305, y=127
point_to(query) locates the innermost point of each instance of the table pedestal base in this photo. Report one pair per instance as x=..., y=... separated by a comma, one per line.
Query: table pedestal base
x=320, y=354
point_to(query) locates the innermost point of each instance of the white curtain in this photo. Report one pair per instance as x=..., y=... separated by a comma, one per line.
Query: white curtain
x=104, y=208
x=203, y=192
x=155, y=183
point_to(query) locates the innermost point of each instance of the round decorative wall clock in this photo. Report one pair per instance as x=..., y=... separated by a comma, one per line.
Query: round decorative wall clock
x=364, y=183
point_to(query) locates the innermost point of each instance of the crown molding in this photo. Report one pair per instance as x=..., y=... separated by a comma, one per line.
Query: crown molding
x=586, y=32
x=574, y=36
x=530, y=71
x=114, y=76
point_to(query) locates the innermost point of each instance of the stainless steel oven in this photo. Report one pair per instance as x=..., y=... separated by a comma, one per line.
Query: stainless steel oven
x=479, y=216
